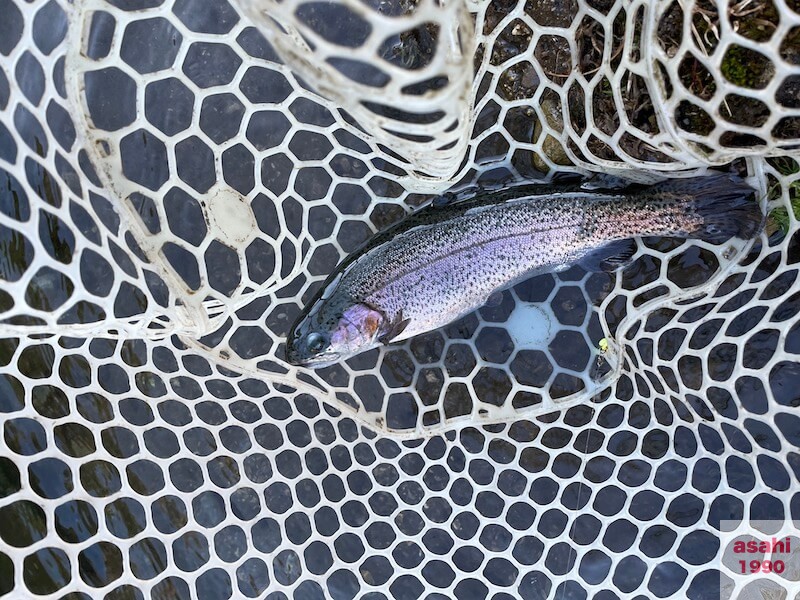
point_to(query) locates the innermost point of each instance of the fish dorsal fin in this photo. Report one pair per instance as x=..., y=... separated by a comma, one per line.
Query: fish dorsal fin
x=445, y=199
x=604, y=182
x=610, y=257
x=396, y=327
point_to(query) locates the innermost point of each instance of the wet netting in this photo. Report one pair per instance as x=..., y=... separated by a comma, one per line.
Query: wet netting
x=177, y=177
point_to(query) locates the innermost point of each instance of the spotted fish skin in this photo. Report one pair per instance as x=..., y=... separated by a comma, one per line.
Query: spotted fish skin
x=443, y=262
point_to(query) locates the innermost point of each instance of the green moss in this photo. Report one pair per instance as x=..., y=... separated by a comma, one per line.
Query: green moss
x=778, y=219
x=746, y=68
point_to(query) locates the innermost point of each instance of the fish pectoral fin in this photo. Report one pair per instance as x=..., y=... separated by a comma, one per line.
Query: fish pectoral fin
x=396, y=327
x=610, y=257
x=494, y=299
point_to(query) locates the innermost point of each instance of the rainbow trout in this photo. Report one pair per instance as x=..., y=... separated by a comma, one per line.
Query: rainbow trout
x=442, y=262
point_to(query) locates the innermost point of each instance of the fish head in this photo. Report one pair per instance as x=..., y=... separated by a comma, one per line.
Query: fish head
x=332, y=331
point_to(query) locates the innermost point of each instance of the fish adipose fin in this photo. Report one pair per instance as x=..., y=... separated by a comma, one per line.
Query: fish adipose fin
x=396, y=327
x=726, y=203
x=610, y=257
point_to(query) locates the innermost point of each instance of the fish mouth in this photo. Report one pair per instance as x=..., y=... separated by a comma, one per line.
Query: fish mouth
x=314, y=362
x=295, y=358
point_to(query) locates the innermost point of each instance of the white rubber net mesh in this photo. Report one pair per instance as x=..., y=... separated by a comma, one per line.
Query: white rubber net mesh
x=171, y=192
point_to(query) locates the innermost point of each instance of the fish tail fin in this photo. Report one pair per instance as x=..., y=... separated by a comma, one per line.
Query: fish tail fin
x=726, y=204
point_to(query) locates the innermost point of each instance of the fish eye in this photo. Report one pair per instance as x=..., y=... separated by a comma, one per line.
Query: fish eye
x=315, y=342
